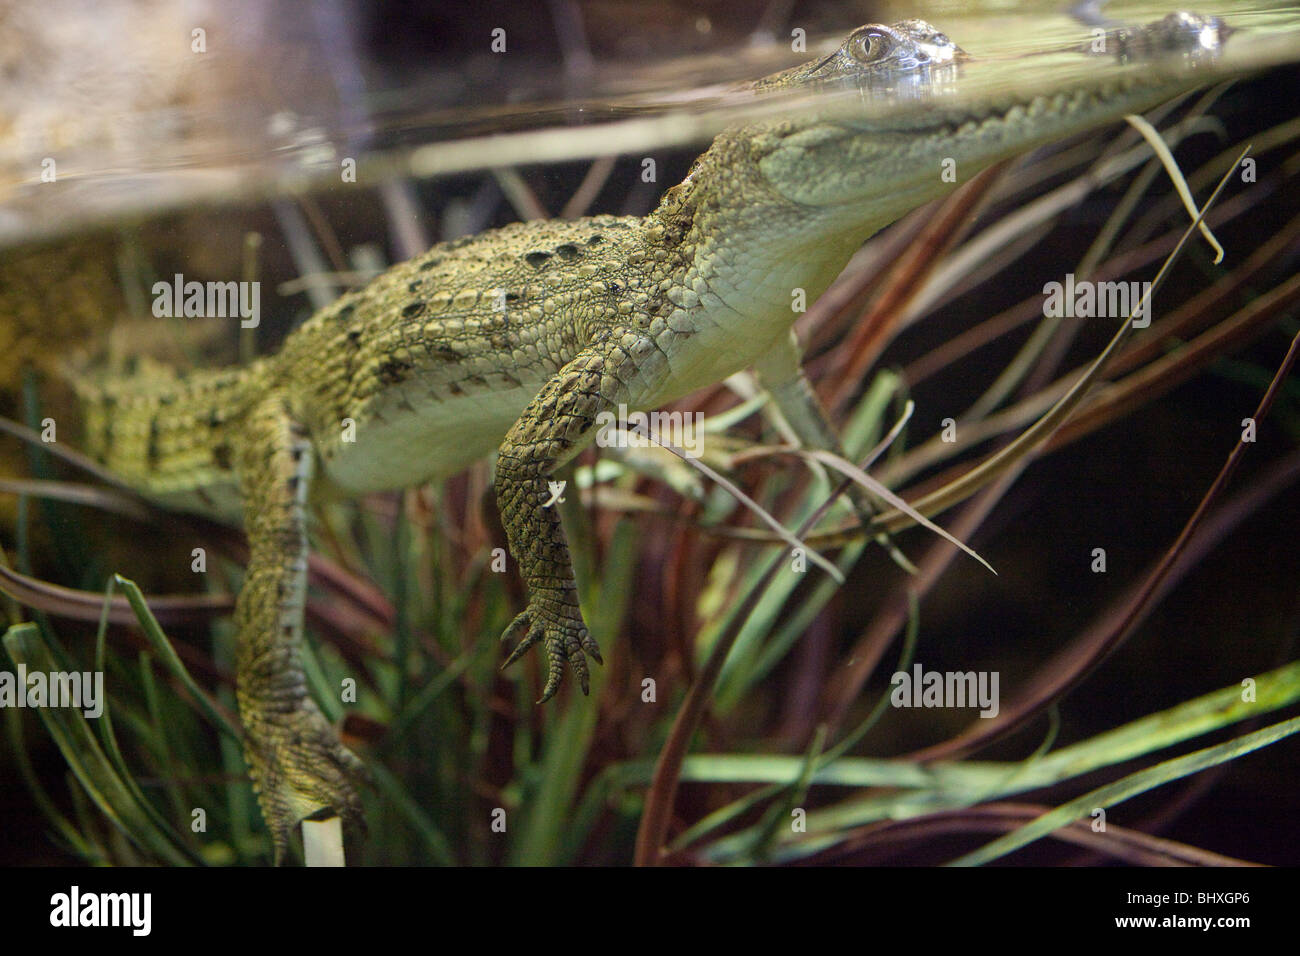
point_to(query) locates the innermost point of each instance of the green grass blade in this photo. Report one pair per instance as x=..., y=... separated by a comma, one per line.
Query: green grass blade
x=163, y=648
x=1127, y=787
x=93, y=770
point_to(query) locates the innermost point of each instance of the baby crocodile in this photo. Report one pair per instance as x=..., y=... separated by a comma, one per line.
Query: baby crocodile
x=516, y=339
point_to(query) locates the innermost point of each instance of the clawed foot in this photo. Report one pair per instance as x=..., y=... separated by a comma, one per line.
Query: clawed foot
x=566, y=639
x=301, y=769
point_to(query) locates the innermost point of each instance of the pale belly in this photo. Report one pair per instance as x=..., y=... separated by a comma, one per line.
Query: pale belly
x=397, y=446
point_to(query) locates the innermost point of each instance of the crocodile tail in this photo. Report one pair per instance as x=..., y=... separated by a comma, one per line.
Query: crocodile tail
x=64, y=317
x=167, y=433
x=53, y=298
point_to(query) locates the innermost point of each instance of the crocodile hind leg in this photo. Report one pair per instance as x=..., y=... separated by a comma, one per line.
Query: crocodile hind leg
x=299, y=766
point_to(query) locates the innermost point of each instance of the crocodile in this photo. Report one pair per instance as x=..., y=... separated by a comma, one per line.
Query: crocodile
x=515, y=340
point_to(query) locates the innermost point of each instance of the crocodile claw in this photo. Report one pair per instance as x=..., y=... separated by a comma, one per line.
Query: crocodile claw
x=565, y=642
x=302, y=770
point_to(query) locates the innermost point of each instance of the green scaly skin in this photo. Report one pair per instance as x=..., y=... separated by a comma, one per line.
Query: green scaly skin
x=531, y=331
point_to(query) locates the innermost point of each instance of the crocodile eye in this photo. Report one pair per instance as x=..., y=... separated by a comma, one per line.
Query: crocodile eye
x=870, y=46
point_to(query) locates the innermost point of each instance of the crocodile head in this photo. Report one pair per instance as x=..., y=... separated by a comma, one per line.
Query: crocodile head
x=910, y=53
x=909, y=119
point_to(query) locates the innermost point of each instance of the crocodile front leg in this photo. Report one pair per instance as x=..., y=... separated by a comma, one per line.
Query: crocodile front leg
x=299, y=766
x=780, y=370
x=550, y=431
